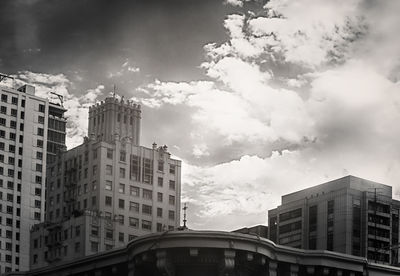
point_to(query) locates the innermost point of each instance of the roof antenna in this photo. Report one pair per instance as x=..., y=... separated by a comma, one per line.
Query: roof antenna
x=114, y=91
x=60, y=97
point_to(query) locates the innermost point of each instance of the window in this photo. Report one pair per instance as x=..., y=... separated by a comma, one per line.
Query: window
x=4, y=98
x=77, y=231
x=134, y=207
x=159, y=197
x=134, y=191
x=37, y=216
x=94, y=230
x=40, y=131
x=146, y=209
x=3, y=110
x=159, y=227
x=171, y=200
x=94, y=170
x=108, y=170
x=109, y=153
x=11, y=160
x=159, y=212
x=108, y=201
x=122, y=156
x=94, y=200
x=14, y=112
x=121, y=172
x=94, y=186
x=94, y=246
x=12, y=136
x=160, y=182
x=121, y=188
x=121, y=219
x=172, y=185
x=121, y=237
x=108, y=185
x=21, y=127
x=131, y=237
x=11, y=148
x=41, y=108
x=2, y=134
x=14, y=100
x=10, y=197
x=171, y=215
x=146, y=225
x=2, y=121
x=22, y=115
x=95, y=154
x=172, y=169
x=77, y=247
x=41, y=119
x=133, y=222
x=11, y=172
x=39, y=143
x=39, y=167
x=160, y=166
x=39, y=155
x=121, y=203
x=13, y=124
x=147, y=194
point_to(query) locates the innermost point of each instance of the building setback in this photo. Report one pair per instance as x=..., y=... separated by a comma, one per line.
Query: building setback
x=32, y=130
x=348, y=215
x=107, y=191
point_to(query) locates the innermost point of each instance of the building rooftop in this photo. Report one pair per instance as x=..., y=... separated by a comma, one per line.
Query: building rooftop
x=347, y=182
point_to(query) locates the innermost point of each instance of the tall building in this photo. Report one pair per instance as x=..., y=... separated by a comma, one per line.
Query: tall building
x=107, y=191
x=348, y=215
x=28, y=139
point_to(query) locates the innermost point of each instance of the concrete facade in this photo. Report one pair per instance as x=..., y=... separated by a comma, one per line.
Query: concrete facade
x=212, y=253
x=102, y=194
x=25, y=137
x=348, y=215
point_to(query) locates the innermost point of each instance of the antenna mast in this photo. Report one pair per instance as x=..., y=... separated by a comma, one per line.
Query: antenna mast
x=60, y=97
x=184, y=215
x=4, y=76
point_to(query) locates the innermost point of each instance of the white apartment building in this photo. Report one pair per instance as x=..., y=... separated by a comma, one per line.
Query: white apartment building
x=107, y=191
x=27, y=124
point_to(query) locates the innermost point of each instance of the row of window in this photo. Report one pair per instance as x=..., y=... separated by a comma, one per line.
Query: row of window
x=12, y=136
x=8, y=247
x=13, y=124
x=14, y=100
x=13, y=113
x=9, y=234
x=134, y=207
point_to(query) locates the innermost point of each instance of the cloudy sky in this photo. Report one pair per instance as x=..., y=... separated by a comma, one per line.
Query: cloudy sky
x=258, y=99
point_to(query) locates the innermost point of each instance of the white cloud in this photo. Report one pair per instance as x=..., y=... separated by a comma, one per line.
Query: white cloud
x=237, y=3
x=316, y=81
x=77, y=106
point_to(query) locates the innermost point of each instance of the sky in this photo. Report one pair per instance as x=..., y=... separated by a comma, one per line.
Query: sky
x=257, y=98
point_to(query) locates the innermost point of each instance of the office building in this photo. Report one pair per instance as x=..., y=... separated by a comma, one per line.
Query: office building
x=32, y=130
x=108, y=190
x=348, y=215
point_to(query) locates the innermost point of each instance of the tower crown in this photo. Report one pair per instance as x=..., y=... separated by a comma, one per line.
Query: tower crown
x=113, y=116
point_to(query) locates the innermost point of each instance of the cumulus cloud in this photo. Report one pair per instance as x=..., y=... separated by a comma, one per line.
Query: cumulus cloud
x=77, y=106
x=307, y=90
